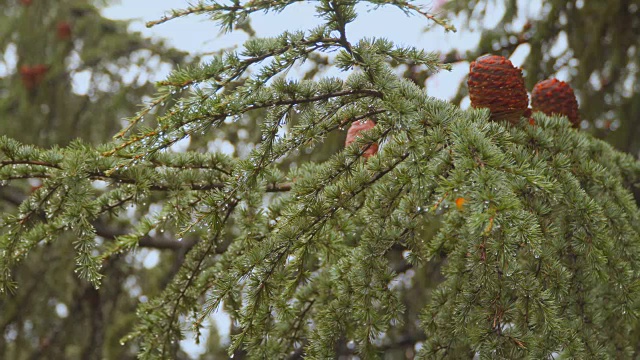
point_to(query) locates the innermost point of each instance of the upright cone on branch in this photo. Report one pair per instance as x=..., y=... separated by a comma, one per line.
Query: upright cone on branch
x=496, y=84
x=32, y=76
x=63, y=30
x=353, y=133
x=553, y=96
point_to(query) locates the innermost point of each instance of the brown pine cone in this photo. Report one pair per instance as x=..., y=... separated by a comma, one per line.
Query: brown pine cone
x=496, y=84
x=553, y=96
x=353, y=132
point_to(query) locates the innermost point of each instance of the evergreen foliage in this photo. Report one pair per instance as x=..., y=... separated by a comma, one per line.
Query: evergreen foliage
x=524, y=240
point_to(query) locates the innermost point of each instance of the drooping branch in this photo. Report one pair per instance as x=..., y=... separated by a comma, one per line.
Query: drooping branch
x=220, y=115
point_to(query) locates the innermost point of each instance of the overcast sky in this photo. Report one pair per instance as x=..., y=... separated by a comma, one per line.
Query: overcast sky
x=197, y=34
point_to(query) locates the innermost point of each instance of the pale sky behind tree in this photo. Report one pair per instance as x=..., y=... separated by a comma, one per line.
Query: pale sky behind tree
x=196, y=34
x=199, y=35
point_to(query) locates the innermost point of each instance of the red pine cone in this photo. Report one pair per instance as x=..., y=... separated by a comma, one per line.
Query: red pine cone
x=553, y=96
x=32, y=76
x=496, y=84
x=353, y=132
x=63, y=30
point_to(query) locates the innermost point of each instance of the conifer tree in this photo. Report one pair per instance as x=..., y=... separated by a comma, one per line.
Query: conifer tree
x=462, y=234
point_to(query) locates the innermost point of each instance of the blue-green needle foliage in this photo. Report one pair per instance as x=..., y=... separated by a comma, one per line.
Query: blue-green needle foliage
x=533, y=227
